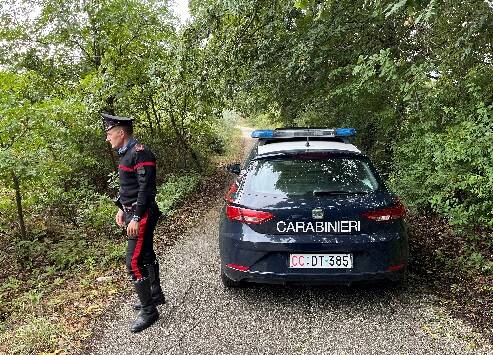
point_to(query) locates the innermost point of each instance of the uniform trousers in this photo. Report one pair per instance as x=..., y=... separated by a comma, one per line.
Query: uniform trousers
x=140, y=251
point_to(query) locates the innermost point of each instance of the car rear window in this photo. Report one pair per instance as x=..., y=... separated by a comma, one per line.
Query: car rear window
x=302, y=176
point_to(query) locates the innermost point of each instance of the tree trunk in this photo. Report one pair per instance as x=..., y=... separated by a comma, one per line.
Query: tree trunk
x=149, y=120
x=18, y=200
x=184, y=143
x=156, y=114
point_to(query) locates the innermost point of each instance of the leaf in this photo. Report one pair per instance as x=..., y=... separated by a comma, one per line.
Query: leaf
x=392, y=9
x=301, y=4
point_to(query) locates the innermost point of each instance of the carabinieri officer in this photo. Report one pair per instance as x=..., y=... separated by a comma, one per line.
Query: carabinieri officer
x=139, y=213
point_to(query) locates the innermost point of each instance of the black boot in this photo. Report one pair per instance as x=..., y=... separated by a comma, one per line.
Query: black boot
x=148, y=314
x=156, y=290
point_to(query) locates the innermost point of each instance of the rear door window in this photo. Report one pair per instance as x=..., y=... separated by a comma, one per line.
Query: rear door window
x=293, y=176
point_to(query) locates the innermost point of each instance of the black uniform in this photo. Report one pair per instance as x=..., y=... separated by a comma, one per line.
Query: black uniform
x=137, y=172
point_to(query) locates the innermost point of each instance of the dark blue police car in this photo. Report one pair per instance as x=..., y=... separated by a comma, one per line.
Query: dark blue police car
x=309, y=207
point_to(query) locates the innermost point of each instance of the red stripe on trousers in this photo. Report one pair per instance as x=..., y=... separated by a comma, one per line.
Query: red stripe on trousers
x=138, y=247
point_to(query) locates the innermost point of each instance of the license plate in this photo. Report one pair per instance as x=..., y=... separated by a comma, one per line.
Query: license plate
x=321, y=261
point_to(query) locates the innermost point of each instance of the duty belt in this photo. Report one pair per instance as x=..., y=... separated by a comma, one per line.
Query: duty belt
x=129, y=208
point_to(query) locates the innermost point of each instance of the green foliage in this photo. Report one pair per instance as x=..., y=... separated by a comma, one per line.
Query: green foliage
x=473, y=262
x=73, y=253
x=477, y=262
x=59, y=68
x=36, y=335
x=174, y=190
x=111, y=253
x=8, y=286
x=229, y=134
x=444, y=160
x=74, y=60
x=264, y=121
x=68, y=252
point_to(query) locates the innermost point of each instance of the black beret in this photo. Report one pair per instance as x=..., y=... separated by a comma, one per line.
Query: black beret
x=110, y=121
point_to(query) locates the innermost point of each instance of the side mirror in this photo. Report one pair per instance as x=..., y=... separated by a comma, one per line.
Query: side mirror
x=234, y=168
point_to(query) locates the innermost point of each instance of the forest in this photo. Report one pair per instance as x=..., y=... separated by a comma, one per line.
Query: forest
x=414, y=77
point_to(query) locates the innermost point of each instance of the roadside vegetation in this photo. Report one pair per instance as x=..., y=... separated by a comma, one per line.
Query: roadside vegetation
x=414, y=78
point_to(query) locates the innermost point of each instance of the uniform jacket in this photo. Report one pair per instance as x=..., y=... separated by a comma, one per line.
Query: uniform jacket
x=137, y=172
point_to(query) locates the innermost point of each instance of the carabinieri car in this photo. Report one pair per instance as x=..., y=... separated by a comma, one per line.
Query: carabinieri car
x=308, y=207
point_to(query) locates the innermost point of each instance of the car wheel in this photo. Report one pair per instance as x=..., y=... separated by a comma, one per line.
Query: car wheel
x=229, y=283
x=400, y=283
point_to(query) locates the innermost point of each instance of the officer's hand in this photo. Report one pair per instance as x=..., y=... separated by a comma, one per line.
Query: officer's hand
x=120, y=219
x=133, y=229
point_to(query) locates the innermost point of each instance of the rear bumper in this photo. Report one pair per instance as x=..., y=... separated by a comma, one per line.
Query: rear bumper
x=375, y=257
x=315, y=279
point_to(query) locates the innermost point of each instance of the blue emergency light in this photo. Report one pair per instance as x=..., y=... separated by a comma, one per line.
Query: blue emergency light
x=304, y=132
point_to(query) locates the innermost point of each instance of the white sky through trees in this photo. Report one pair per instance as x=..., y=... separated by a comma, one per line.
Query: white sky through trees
x=180, y=9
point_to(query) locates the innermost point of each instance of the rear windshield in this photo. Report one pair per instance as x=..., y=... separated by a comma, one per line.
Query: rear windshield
x=327, y=176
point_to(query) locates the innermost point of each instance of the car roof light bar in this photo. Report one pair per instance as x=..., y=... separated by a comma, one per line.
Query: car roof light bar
x=305, y=132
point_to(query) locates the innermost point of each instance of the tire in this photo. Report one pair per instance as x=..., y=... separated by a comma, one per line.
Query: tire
x=229, y=283
x=402, y=282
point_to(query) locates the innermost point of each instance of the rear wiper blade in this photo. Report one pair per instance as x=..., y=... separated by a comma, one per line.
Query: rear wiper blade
x=338, y=192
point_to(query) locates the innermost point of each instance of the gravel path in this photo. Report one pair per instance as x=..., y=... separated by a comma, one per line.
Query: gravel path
x=201, y=317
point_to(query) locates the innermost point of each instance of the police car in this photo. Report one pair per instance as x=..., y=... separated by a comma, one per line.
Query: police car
x=308, y=207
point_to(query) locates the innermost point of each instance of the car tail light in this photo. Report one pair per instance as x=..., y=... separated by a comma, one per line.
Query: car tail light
x=396, y=267
x=246, y=215
x=386, y=214
x=229, y=195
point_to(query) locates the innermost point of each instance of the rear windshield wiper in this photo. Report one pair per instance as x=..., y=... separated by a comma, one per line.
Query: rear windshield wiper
x=338, y=192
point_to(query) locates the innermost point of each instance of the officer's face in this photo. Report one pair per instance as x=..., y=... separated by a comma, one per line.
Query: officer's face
x=116, y=137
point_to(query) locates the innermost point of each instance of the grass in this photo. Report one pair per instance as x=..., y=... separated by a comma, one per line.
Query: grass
x=233, y=148
x=36, y=335
x=45, y=308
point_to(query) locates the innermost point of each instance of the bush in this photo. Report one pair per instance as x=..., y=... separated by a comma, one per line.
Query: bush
x=97, y=214
x=444, y=160
x=68, y=252
x=174, y=190
x=265, y=121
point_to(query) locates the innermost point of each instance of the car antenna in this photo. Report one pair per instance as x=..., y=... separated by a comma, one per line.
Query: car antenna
x=307, y=144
